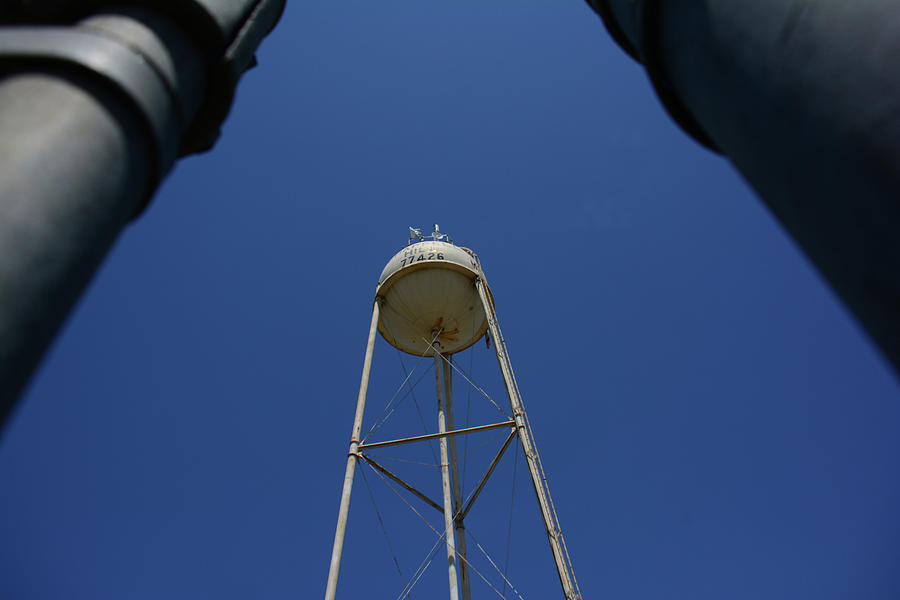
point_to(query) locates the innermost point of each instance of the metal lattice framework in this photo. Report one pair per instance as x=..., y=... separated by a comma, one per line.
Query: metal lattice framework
x=452, y=505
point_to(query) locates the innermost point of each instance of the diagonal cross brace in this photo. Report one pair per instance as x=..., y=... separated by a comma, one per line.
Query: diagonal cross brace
x=405, y=485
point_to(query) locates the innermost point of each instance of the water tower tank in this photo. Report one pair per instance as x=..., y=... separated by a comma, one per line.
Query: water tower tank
x=430, y=286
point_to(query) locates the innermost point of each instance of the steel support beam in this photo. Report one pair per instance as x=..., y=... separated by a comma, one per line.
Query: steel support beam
x=344, y=511
x=541, y=490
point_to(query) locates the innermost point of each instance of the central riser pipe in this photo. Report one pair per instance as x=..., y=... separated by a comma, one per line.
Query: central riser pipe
x=445, y=478
x=455, y=481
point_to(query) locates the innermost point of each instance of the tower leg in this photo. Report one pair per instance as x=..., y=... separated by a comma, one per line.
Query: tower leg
x=338, y=549
x=445, y=478
x=455, y=481
x=541, y=490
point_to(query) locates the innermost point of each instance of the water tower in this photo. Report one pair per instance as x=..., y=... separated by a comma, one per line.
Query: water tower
x=432, y=300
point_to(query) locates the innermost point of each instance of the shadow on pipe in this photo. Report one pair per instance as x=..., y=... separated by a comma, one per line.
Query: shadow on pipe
x=97, y=101
x=802, y=96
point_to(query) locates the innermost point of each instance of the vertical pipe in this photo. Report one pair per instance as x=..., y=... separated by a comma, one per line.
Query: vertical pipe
x=338, y=549
x=445, y=478
x=75, y=168
x=92, y=115
x=540, y=489
x=802, y=96
x=455, y=481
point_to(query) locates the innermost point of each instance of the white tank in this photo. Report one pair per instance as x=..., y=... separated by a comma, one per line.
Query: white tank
x=430, y=286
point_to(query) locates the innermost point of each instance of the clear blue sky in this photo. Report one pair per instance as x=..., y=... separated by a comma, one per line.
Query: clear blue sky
x=713, y=422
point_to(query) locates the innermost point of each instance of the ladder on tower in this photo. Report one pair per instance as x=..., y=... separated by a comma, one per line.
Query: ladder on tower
x=538, y=478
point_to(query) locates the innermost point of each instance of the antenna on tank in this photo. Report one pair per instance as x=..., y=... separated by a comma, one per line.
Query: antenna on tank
x=436, y=235
x=415, y=235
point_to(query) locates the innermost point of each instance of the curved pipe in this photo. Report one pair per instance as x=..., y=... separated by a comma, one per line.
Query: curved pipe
x=802, y=96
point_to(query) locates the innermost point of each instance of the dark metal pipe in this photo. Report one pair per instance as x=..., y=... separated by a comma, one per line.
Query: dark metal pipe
x=92, y=115
x=69, y=181
x=802, y=96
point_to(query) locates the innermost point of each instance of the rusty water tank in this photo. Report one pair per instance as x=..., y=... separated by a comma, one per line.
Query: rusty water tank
x=427, y=290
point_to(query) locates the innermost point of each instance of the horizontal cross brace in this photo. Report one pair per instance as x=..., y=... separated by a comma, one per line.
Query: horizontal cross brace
x=431, y=436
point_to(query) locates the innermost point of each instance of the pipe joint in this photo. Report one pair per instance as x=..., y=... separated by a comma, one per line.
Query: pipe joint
x=121, y=67
x=226, y=34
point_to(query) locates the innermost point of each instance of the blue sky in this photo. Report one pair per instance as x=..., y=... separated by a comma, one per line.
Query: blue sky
x=713, y=422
